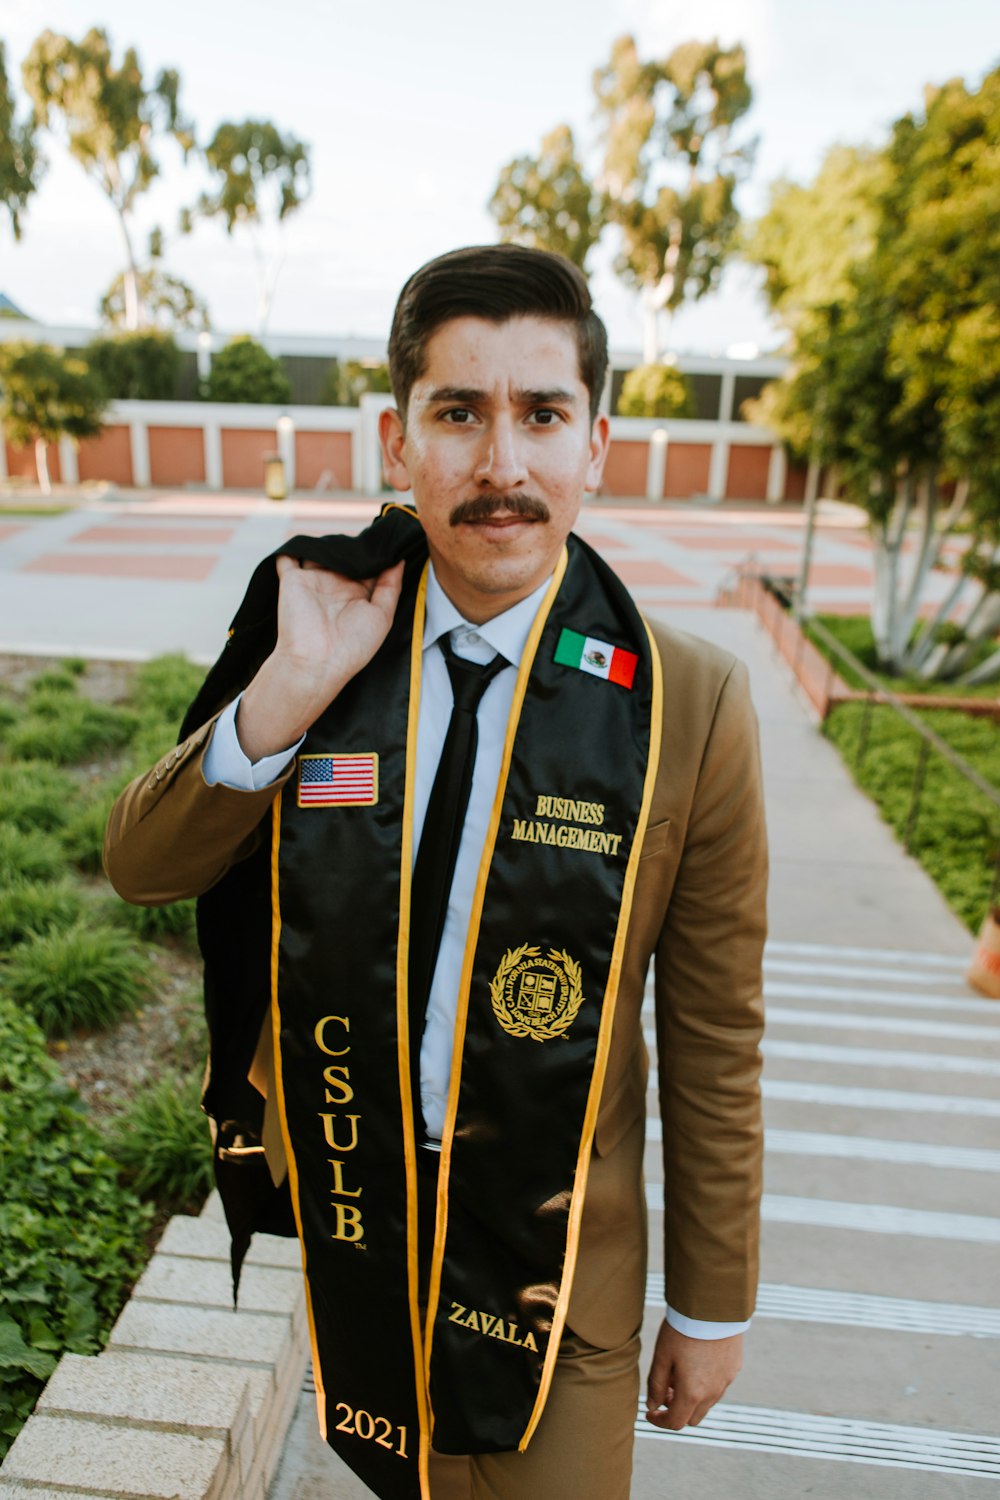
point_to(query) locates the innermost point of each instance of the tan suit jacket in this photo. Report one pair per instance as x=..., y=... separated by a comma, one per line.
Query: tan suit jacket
x=699, y=907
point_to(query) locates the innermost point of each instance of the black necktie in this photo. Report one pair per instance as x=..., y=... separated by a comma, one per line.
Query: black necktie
x=442, y=833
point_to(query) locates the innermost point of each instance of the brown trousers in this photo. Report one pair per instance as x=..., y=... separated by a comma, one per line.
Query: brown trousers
x=582, y=1446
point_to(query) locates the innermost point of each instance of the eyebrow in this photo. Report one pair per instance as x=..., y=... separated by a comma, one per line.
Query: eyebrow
x=470, y=396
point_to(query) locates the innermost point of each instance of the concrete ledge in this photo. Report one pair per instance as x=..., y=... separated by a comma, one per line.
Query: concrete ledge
x=192, y=1399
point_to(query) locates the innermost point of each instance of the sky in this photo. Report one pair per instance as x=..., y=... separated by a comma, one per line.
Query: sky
x=411, y=109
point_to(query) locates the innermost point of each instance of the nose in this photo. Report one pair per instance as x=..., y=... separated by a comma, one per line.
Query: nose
x=500, y=464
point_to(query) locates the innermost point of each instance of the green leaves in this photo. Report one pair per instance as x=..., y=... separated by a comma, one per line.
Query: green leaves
x=47, y=394
x=244, y=371
x=259, y=173
x=671, y=166
x=70, y=1234
x=21, y=164
x=548, y=202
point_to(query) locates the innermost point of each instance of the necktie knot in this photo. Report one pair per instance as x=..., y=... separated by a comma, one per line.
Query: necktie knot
x=469, y=679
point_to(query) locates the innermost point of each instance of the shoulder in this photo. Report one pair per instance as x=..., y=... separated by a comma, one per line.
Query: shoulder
x=695, y=672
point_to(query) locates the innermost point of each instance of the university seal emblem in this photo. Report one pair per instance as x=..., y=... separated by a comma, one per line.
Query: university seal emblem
x=534, y=996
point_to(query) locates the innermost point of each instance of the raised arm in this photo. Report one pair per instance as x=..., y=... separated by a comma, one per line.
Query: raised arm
x=171, y=833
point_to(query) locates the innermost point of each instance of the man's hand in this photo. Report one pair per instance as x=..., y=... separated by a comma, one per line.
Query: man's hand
x=329, y=627
x=688, y=1376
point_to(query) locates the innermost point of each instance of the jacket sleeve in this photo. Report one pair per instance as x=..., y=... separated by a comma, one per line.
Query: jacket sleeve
x=171, y=835
x=709, y=1014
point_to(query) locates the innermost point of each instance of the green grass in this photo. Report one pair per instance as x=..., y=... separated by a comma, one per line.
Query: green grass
x=155, y=923
x=855, y=632
x=29, y=855
x=162, y=1142
x=55, y=680
x=83, y=833
x=34, y=794
x=59, y=727
x=164, y=687
x=86, y=976
x=30, y=908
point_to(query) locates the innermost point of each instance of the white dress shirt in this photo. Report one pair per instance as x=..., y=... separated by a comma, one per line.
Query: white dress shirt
x=506, y=633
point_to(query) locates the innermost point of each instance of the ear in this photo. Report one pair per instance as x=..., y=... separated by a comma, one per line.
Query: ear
x=600, y=441
x=392, y=438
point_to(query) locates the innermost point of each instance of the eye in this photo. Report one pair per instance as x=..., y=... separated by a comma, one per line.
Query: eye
x=546, y=416
x=458, y=416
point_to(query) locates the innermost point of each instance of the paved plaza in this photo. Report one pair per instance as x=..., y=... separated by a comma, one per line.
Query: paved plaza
x=874, y=1359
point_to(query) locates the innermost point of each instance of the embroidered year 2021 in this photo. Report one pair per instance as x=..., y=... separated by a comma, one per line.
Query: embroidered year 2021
x=380, y=1430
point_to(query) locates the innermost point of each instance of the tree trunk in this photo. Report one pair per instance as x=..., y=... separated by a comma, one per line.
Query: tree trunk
x=42, y=466
x=134, y=313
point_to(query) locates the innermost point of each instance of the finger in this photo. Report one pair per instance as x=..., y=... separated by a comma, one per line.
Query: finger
x=672, y=1418
x=285, y=564
x=385, y=593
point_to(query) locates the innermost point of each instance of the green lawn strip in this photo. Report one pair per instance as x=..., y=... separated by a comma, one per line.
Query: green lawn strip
x=956, y=836
x=81, y=1190
x=855, y=632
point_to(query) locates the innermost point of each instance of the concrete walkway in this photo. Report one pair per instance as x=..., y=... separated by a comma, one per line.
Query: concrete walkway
x=874, y=1360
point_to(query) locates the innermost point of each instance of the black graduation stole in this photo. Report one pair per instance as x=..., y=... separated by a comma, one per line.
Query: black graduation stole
x=470, y=1372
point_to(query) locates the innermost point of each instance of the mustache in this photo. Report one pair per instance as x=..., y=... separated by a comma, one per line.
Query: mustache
x=482, y=507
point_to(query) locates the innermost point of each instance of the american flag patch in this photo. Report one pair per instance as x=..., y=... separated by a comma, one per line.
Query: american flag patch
x=338, y=780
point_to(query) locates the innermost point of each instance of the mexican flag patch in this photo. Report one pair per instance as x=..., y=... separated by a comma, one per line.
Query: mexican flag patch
x=599, y=658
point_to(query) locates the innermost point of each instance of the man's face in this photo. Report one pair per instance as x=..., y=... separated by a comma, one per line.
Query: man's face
x=498, y=450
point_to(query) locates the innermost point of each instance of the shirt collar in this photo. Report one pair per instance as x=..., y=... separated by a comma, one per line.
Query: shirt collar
x=507, y=632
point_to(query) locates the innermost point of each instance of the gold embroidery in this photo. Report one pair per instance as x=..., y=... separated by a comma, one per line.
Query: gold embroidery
x=534, y=996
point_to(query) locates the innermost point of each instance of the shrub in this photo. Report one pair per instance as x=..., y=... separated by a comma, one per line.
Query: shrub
x=29, y=908
x=153, y=923
x=244, y=371
x=137, y=366
x=71, y=1236
x=164, y=687
x=88, y=975
x=35, y=794
x=83, y=834
x=162, y=1142
x=66, y=730
x=957, y=833
x=29, y=856
x=55, y=680
x=656, y=391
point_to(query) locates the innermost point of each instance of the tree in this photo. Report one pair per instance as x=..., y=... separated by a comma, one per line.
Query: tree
x=898, y=384
x=547, y=201
x=244, y=371
x=167, y=301
x=346, y=383
x=260, y=176
x=47, y=394
x=812, y=234
x=112, y=119
x=671, y=169
x=136, y=366
x=656, y=391
x=20, y=164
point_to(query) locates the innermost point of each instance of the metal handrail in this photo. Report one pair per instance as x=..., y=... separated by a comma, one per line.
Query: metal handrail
x=878, y=692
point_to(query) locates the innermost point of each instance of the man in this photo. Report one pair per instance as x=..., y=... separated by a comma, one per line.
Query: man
x=458, y=807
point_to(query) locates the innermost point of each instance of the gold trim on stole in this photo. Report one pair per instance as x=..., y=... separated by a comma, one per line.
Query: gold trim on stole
x=472, y=938
x=403, y=1034
x=279, y=1090
x=603, y=1049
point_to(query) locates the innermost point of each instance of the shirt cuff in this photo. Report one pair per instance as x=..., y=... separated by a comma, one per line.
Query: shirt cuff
x=224, y=761
x=697, y=1328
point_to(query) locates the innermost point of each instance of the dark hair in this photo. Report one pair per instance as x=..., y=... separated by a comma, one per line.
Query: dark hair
x=495, y=282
